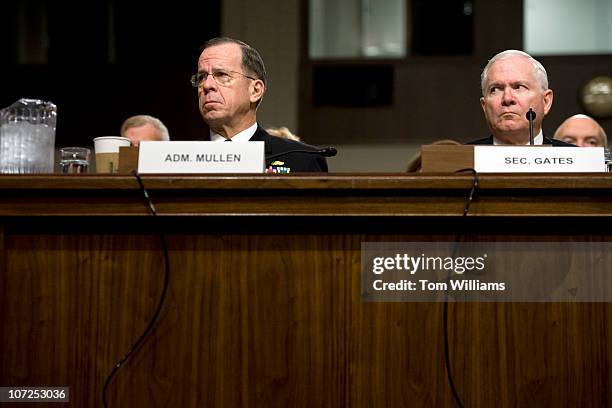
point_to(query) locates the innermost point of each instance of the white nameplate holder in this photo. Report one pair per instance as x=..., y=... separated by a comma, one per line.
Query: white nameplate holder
x=201, y=157
x=538, y=159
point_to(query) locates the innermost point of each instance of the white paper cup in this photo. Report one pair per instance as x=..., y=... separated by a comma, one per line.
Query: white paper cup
x=107, y=152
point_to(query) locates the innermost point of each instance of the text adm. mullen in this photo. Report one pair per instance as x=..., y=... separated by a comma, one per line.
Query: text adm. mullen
x=203, y=158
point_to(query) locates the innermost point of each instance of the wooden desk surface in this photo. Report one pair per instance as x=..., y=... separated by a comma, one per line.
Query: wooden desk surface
x=264, y=306
x=308, y=195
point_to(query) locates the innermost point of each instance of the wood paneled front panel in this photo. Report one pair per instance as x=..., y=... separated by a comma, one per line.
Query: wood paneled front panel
x=264, y=308
x=272, y=320
x=248, y=321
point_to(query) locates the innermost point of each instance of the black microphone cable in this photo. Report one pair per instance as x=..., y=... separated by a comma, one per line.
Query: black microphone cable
x=162, y=297
x=447, y=359
x=470, y=197
x=325, y=152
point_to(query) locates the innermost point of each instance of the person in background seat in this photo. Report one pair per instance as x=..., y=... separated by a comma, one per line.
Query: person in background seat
x=144, y=128
x=583, y=131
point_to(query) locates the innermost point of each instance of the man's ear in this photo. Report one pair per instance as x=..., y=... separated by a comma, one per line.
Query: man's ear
x=257, y=90
x=548, y=100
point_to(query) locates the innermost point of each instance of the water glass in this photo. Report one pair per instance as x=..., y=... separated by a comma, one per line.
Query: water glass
x=74, y=160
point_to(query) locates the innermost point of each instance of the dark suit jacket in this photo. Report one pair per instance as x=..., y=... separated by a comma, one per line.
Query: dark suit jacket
x=489, y=141
x=297, y=162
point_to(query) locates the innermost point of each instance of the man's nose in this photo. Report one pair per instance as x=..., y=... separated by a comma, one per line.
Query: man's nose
x=209, y=83
x=508, y=97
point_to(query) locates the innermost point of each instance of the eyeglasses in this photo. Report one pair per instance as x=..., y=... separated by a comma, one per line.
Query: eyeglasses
x=222, y=77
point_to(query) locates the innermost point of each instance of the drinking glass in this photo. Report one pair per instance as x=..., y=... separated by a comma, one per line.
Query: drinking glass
x=74, y=160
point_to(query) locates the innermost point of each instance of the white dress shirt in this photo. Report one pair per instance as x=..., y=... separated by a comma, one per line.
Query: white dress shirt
x=537, y=140
x=243, y=136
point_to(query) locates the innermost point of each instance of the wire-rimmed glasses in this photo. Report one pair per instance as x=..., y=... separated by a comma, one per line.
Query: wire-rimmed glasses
x=222, y=77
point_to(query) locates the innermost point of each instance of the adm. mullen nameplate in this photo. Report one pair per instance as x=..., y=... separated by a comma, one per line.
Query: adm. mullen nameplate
x=201, y=157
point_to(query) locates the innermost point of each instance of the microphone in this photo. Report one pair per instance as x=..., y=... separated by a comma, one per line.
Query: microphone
x=325, y=152
x=531, y=115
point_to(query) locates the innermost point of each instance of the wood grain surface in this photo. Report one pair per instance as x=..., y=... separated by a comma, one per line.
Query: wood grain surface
x=584, y=195
x=267, y=312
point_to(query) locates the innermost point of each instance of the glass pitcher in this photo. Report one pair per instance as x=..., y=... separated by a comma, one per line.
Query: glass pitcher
x=27, y=137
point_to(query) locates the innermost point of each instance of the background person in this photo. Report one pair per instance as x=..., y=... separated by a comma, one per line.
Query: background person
x=582, y=130
x=144, y=128
x=283, y=132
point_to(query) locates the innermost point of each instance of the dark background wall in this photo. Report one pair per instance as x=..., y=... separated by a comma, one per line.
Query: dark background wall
x=104, y=60
x=101, y=61
x=436, y=89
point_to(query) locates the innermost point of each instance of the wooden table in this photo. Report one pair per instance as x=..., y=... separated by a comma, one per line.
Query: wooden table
x=264, y=308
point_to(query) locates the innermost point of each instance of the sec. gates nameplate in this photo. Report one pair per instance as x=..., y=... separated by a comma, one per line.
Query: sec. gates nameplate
x=201, y=157
x=538, y=159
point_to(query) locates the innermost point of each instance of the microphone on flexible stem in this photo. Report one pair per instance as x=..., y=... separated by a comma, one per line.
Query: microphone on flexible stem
x=531, y=115
x=325, y=152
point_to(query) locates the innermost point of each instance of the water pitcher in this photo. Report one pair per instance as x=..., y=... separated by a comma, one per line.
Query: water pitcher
x=27, y=137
